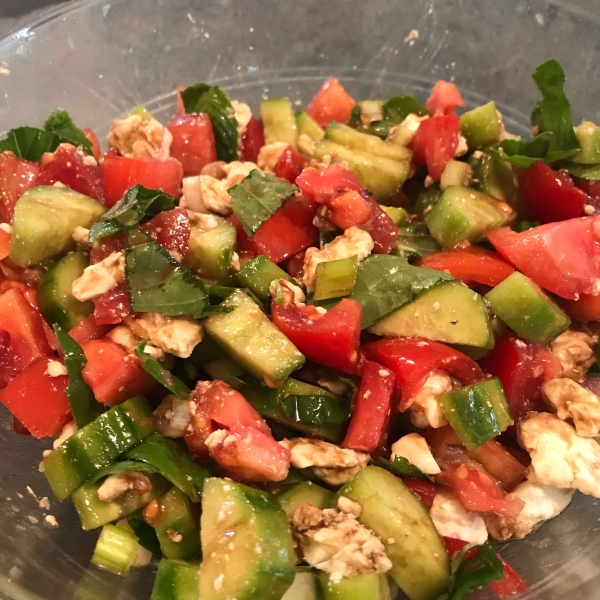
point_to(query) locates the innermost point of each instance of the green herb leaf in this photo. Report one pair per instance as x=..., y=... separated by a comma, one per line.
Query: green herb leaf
x=385, y=283
x=316, y=410
x=139, y=203
x=30, y=143
x=402, y=467
x=258, y=197
x=204, y=98
x=146, y=534
x=395, y=110
x=589, y=172
x=84, y=407
x=525, y=225
x=355, y=117
x=414, y=242
x=61, y=124
x=164, y=377
x=173, y=462
x=120, y=467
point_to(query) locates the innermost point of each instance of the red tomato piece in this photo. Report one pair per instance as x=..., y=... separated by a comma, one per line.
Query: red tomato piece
x=113, y=373
x=67, y=166
x=550, y=195
x=500, y=464
x=372, y=408
x=193, y=142
x=331, y=339
x=5, y=238
x=321, y=186
x=585, y=309
x=19, y=428
x=113, y=306
x=444, y=99
x=294, y=265
x=171, y=229
x=381, y=228
x=331, y=103
x=470, y=265
x=106, y=246
x=435, y=143
x=348, y=209
x=446, y=447
x=88, y=329
x=422, y=489
x=413, y=360
x=121, y=173
x=16, y=177
x=290, y=164
x=253, y=140
x=561, y=257
x=38, y=400
x=90, y=135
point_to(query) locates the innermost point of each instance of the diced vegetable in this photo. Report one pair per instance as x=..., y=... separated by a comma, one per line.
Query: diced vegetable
x=330, y=103
x=257, y=275
x=444, y=98
x=494, y=177
x=294, y=496
x=335, y=278
x=252, y=140
x=16, y=177
x=481, y=126
x=176, y=580
x=373, y=586
x=588, y=136
x=306, y=586
x=193, y=142
x=308, y=126
x=290, y=164
x=279, y=121
x=116, y=549
x=435, y=143
x=414, y=241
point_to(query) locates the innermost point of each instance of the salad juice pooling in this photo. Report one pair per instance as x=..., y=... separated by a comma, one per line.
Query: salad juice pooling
x=317, y=354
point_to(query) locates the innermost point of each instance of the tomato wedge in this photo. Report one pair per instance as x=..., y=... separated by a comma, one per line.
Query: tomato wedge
x=331, y=103
x=323, y=185
x=470, y=265
x=444, y=98
x=561, y=257
x=252, y=140
x=290, y=164
x=435, y=143
x=16, y=177
x=193, y=142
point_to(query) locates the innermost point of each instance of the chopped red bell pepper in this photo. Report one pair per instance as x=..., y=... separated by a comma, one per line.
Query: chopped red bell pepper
x=331, y=103
x=444, y=99
x=193, y=142
x=89, y=329
x=372, y=408
x=323, y=185
x=424, y=490
x=413, y=360
x=252, y=141
x=290, y=164
x=38, y=400
x=585, y=309
x=90, y=135
x=171, y=229
x=435, y=143
x=331, y=339
x=16, y=177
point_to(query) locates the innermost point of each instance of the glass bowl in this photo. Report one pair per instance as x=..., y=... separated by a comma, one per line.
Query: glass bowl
x=99, y=58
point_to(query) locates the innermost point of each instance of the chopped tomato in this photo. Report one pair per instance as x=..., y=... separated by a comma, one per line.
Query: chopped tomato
x=113, y=306
x=113, y=373
x=38, y=400
x=19, y=428
x=331, y=339
x=413, y=360
x=90, y=135
x=252, y=141
x=470, y=265
x=381, y=228
x=294, y=265
x=435, y=143
x=500, y=464
x=550, y=195
x=193, y=142
x=88, y=329
x=348, y=209
x=372, y=408
x=444, y=99
x=585, y=309
x=321, y=186
x=16, y=177
x=121, y=173
x=446, y=447
x=422, y=489
x=331, y=103
x=290, y=164
x=171, y=229
x=67, y=166
x=106, y=246
x=4, y=244
x=22, y=336
x=561, y=257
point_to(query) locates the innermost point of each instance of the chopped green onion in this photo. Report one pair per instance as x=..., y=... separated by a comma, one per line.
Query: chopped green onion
x=336, y=278
x=116, y=549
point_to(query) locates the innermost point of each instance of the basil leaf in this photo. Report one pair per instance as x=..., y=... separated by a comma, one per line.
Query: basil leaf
x=30, y=143
x=354, y=120
x=146, y=534
x=164, y=377
x=589, y=172
x=84, y=407
x=138, y=203
x=258, y=197
x=173, y=462
x=402, y=467
x=316, y=410
x=414, y=242
x=120, y=467
x=385, y=283
x=60, y=123
x=395, y=110
x=521, y=153
x=204, y=98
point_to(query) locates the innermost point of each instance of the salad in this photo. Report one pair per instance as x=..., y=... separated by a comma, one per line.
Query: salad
x=321, y=354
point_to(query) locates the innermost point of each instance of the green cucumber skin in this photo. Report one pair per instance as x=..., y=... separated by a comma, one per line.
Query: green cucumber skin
x=369, y=586
x=481, y=126
x=257, y=275
x=588, y=136
x=176, y=580
x=308, y=126
x=527, y=310
x=494, y=177
x=297, y=494
x=279, y=121
x=98, y=444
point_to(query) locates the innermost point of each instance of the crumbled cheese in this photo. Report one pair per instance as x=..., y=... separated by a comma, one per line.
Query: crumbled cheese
x=405, y=131
x=55, y=369
x=124, y=337
x=80, y=236
x=134, y=137
x=452, y=520
x=573, y=401
x=174, y=536
x=113, y=487
x=412, y=35
x=462, y=148
x=218, y=582
x=305, y=144
x=51, y=521
x=560, y=457
x=354, y=241
x=415, y=449
x=425, y=410
x=176, y=335
x=575, y=352
x=100, y=278
x=214, y=195
x=67, y=431
x=269, y=155
x=326, y=461
x=4, y=70
x=335, y=542
x=6, y=228
x=234, y=263
x=242, y=115
x=348, y=506
x=236, y=171
x=296, y=296
x=203, y=221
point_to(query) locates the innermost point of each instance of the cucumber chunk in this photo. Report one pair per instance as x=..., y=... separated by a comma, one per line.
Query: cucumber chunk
x=370, y=586
x=449, y=312
x=420, y=563
x=56, y=300
x=462, y=214
x=176, y=580
x=246, y=544
x=494, y=177
x=257, y=275
x=44, y=220
x=306, y=586
x=588, y=136
x=456, y=173
x=527, y=309
x=396, y=214
x=335, y=278
x=296, y=495
x=247, y=335
x=279, y=121
x=481, y=126
x=308, y=126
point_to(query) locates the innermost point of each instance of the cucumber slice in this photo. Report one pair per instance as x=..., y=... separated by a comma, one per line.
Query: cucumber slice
x=494, y=177
x=257, y=275
x=370, y=586
x=481, y=126
x=396, y=214
x=176, y=580
x=456, y=173
x=209, y=253
x=588, y=136
x=449, y=312
x=462, y=214
x=44, y=220
x=57, y=303
x=305, y=587
x=308, y=126
x=420, y=562
x=382, y=176
x=335, y=278
x=246, y=544
x=296, y=495
x=279, y=121
x=247, y=335
x=527, y=309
